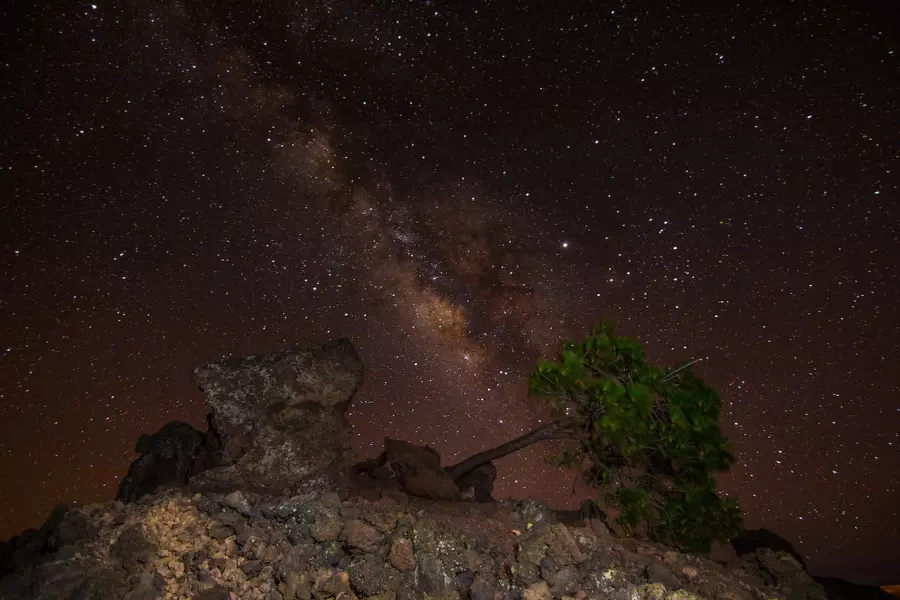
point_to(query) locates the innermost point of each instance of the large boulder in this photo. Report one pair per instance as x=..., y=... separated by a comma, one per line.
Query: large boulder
x=280, y=417
x=781, y=570
x=415, y=469
x=168, y=457
x=751, y=540
x=418, y=470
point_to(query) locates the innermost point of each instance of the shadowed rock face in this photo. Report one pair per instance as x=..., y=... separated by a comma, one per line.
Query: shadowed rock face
x=480, y=482
x=170, y=456
x=751, y=540
x=280, y=417
x=417, y=470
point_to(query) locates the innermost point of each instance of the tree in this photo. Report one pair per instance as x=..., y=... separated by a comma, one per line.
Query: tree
x=646, y=439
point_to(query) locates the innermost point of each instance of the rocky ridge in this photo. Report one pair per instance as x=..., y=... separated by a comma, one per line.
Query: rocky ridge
x=264, y=505
x=389, y=546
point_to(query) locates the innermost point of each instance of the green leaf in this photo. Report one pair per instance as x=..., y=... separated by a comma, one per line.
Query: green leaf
x=641, y=395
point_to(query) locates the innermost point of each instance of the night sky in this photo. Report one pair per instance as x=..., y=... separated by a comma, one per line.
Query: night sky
x=456, y=188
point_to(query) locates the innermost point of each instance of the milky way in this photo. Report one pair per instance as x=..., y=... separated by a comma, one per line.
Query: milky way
x=456, y=190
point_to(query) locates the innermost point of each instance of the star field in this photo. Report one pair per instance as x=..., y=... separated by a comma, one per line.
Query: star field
x=457, y=188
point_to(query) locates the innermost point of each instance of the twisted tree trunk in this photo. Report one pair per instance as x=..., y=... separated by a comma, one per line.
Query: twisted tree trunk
x=556, y=430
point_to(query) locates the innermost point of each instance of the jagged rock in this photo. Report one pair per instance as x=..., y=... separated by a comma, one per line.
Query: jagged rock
x=480, y=481
x=783, y=571
x=178, y=545
x=280, y=417
x=171, y=456
x=751, y=540
x=651, y=591
x=481, y=590
x=361, y=536
x=565, y=582
x=525, y=573
x=657, y=573
x=537, y=591
x=327, y=526
x=430, y=574
x=65, y=528
x=418, y=470
x=532, y=512
x=370, y=576
x=401, y=555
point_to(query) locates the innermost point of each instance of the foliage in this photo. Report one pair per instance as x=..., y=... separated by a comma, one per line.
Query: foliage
x=648, y=440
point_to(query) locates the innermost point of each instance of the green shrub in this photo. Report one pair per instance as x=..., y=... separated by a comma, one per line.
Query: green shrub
x=647, y=440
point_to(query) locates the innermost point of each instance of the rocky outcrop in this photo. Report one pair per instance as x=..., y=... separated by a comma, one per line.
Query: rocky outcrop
x=392, y=546
x=417, y=470
x=63, y=528
x=268, y=515
x=276, y=424
x=171, y=456
x=281, y=417
x=478, y=484
x=751, y=540
x=783, y=571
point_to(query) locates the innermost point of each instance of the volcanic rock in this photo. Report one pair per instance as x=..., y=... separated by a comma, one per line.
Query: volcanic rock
x=168, y=457
x=480, y=482
x=418, y=470
x=280, y=417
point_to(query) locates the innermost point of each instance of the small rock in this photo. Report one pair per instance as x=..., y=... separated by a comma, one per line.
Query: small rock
x=349, y=512
x=361, y=536
x=217, y=592
x=330, y=553
x=401, y=555
x=657, y=573
x=464, y=580
x=537, y=591
x=690, y=572
x=327, y=526
x=220, y=532
x=238, y=501
x=481, y=590
x=251, y=568
x=733, y=594
x=566, y=581
x=525, y=573
x=370, y=576
x=431, y=577
x=548, y=568
x=651, y=591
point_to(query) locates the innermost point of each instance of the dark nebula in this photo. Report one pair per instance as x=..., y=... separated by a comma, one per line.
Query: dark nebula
x=457, y=187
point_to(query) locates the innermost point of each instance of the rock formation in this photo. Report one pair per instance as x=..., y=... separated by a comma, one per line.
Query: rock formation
x=280, y=417
x=171, y=456
x=276, y=424
x=390, y=546
x=268, y=514
x=751, y=540
x=417, y=470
